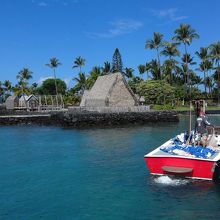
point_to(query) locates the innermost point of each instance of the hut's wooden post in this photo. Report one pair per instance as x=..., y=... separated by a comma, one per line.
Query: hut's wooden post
x=40, y=104
x=45, y=98
x=52, y=104
x=62, y=103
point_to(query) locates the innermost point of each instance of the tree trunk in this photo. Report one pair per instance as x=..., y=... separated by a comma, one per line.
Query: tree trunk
x=205, y=82
x=218, y=84
x=187, y=74
x=158, y=59
x=55, y=80
x=25, y=102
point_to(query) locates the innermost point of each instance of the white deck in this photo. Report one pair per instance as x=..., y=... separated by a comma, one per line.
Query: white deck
x=159, y=153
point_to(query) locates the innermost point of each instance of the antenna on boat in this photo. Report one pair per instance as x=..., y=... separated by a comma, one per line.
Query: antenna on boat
x=190, y=117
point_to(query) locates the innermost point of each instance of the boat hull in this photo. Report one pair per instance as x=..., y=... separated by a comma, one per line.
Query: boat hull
x=196, y=168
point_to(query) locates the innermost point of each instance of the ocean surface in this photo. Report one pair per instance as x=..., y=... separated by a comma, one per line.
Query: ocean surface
x=99, y=174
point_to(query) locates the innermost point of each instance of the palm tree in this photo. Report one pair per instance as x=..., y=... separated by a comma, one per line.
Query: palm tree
x=170, y=50
x=215, y=55
x=23, y=76
x=203, y=55
x=187, y=60
x=54, y=63
x=185, y=34
x=79, y=63
x=197, y=80
x=209, y=83
x=129, y=72
x=147, y=68
x=155, y=70
x=169, y=67
x=106, y=69
x=1, y=89
x=34, y=87
x=81, y=82
x=7, y=86
x=156, y=44
x=142, y=69
x=94, y=74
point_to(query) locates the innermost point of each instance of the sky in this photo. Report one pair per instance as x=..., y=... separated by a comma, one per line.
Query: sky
x=33, y=31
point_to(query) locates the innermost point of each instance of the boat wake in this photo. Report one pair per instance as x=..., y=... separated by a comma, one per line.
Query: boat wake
x=166, y=180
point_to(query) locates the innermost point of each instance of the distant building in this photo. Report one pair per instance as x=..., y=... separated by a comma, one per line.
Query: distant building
x=12, y=102
x=30, y=102
x=109, y=91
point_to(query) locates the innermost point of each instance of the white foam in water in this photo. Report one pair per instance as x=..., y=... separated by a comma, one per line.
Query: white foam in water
x=166, y=180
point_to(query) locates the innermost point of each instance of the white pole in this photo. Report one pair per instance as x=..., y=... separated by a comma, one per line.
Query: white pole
x=190, y=117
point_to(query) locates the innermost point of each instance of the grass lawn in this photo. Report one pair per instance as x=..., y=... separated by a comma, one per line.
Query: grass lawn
x=186, y=108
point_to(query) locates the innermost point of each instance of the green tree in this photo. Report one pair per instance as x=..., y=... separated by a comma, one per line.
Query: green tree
x=106, y=69
x=1, y=89
x=34, y=88
x=22, y=87
x=156, y=44
x=7, y=87
x=129, y=72
x=170, y=70
x=209, y=84
x=117, y=65
x=81, y=85
x=203, y=56
x=79, y=63
x=170, y=50
x=94, y=74
x=134, y=83
x=154, y=69
x=215, y=55
x=48, y=87
x=185, y=34
x=54, y=63
x=170, y=66
x=156, y=92
x=141, y=69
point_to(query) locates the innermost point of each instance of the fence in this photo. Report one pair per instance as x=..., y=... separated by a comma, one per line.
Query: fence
x=117, y=109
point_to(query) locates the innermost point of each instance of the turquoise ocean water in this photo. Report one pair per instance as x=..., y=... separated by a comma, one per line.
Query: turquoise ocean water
x=100, y=174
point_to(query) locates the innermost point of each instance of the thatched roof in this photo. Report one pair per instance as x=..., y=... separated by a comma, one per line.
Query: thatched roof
x=12, y=98
x=102, y=89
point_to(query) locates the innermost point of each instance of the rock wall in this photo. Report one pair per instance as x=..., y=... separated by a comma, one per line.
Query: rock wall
x=26, y=120
x=90, y=119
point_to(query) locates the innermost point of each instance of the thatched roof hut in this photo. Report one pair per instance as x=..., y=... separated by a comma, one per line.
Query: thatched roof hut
x=109, y=91
x=12, y=102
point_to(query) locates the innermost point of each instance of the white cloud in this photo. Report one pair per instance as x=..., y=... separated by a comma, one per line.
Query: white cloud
x=42, y=4
x=45, y=3
x=119, y=27
x=67, y=81
x=170, y=14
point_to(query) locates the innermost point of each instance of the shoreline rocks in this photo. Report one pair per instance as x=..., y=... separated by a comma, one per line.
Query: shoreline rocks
x=90, y=119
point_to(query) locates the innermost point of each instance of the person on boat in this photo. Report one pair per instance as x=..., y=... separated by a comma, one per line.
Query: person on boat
x=201, y=129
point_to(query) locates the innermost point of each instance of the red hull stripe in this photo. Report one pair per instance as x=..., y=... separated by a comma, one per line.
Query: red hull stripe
x=201, y=169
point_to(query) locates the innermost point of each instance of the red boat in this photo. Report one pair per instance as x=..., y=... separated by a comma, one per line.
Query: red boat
x=178, y=162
